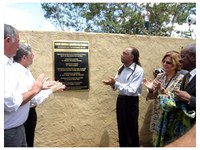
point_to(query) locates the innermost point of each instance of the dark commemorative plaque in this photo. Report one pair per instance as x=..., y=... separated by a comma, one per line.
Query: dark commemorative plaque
x=71, y=64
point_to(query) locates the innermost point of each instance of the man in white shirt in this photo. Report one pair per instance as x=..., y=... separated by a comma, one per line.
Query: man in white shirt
x=23, y=60
x=128, y=82
x=146, y=17
x=16, y=97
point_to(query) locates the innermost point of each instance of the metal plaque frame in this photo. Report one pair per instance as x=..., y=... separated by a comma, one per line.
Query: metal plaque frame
x=70, y=64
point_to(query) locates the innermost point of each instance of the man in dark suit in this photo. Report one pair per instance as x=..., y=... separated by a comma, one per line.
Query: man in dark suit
x=187, y=93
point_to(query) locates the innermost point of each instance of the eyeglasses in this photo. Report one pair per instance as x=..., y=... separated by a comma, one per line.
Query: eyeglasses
x=167, y=62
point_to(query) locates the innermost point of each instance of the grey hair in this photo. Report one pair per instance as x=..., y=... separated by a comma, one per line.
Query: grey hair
x=24, y=49
x=10, y=31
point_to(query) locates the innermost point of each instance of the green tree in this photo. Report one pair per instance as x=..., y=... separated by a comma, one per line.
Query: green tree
x=163, y=14
x=94, y=17
x=64, y=16
x=122, y=18
x=113, y=18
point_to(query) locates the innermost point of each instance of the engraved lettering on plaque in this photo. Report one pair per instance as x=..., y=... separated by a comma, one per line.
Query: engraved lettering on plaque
x=71, y=64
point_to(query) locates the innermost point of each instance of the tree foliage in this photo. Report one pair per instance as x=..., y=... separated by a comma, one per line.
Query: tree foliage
x=123, y=18
x=164, y=15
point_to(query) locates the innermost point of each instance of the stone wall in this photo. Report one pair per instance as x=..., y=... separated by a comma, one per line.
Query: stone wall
x=88, y=118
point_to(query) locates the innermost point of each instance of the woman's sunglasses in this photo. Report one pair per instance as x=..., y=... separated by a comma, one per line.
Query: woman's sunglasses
x=167, y=62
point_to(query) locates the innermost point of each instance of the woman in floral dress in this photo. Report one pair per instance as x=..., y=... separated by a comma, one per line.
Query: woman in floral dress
x=168, y=122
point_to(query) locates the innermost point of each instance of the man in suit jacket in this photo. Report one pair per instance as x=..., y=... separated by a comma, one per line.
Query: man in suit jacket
x=187, y=93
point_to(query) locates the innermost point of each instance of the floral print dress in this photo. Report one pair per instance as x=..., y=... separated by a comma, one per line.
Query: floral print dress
x=167, y=126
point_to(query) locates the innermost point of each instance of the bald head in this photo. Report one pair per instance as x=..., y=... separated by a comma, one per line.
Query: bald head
x=190, y=49
x=188, y=57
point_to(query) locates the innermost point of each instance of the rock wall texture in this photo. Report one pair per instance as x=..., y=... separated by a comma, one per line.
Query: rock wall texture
x=88, y=118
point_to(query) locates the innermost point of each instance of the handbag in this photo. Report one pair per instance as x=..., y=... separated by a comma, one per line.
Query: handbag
x=169, y=102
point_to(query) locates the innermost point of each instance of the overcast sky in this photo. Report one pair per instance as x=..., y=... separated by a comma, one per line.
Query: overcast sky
x=26, y=16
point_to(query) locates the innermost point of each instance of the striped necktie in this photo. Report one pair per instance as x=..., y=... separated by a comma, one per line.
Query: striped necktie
x=187, y=79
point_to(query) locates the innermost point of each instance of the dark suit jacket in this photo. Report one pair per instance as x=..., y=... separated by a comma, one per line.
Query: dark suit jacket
x=191, y=89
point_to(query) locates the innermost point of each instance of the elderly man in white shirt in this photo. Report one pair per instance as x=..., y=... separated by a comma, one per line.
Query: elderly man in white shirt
x=23, y=60
x=128, y=82
x=16, y=98
x=17, y=93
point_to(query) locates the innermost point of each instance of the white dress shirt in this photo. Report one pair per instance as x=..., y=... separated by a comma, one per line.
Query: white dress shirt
x=18, y=80
x=133, y=85
x=14, y=114
x=28, y=82
x=192, y=74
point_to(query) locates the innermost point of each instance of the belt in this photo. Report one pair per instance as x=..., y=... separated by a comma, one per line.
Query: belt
x=14, y=127
x=126, y=96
